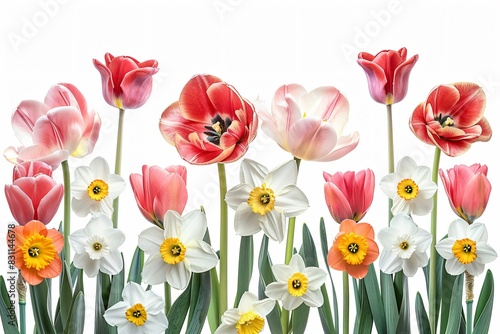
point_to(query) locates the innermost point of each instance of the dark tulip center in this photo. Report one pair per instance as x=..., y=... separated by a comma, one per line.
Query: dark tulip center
x=444, y=120
x=218, y=127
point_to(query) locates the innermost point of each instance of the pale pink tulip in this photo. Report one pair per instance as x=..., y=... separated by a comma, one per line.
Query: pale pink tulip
x=55, y=129
x=34, y=198
x=31, y=168
x=158, y=190
x=468, y=190
x=349, y=195
x=309, y=125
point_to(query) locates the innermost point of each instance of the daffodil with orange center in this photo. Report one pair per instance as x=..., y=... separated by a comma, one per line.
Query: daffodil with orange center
x=37, y=250
x=354, y=248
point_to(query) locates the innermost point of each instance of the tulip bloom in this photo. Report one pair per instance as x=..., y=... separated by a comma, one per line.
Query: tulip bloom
x=210, y=123
x=451, y=118
x=158, y=190
x=468, y=190
x=30, y=169
x=349, y=195
x=309, y=125
x=126, y=82
x=37, y=252
x=53, y=130
x=354, y=248
x=33, y=197
x=388, y=73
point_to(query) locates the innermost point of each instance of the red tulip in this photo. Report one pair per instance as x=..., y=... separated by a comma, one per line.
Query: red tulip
x=468, y=190
x=349, y=195
x=451, y=118
x=158, y=190
x=388, y=73
x=210, y=123
x=56, y=128
x=126, y=82
x=34, y=197
x=31, y=168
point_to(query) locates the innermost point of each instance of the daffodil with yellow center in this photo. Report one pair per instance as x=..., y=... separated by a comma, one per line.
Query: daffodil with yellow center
x=250, y=323
x=296, y=284
x=98, y=190
x=38, y=252
x=466, y=248
x=407, y=189
x=261, y=200
x=137, y=315
x=353, y=248
x=172, y=251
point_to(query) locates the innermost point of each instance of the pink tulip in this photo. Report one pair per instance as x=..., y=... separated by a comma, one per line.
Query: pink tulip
x=388, y=73
x=349, y=195
x=451, y=118
x=56, y=128
x=158, y=190
x=309, y=125
x=31, y=168
x=210, y=123
x=34, y=197
x=468, y=190
x=126, y=82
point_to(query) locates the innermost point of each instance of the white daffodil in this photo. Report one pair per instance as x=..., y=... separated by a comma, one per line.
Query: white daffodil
x=264, y=199
x=96, y=247
x=295, y=284
x=465, y=248
x=410, y=187
x=94, y=188
x=139, y=312
x=177, y=251
x=248, y=318
x=405, y=246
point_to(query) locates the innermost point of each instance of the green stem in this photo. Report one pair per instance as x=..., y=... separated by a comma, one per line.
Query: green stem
x=390, y=150
x=345, y=315
x=223, y=240
x=118, y=162
x=67, y=211
x=22, y=316
x=168, y=297
x=469, y=303
x=433, y=256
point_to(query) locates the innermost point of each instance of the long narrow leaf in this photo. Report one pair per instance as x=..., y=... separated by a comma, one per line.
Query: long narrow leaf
x=100, y=325
x=76, y=319
x=375, y=299
x=484, y=308
x=7, y=308
x=456, y=306
x=178, y=311
x=134, y=273
x=423, y=324
x=390, y=302
x=328, y=314
x=213, y=309
x=364, y=318
x=39, y=301
x=299, y=319
x=404, y=321
x=447, y=282
x=200, y=307
x=245, y=267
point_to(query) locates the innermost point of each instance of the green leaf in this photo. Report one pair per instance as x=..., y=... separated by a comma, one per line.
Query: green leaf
x=117, y=284
x=134, y=273
x=198, y=314
x=65, y=294
x=266, y=277
x=326, y=308
x=447, y=283
x=39, y=301
x=424, y=326
x=389, y=301
x=404, y=322
x=299, y=319
x=310, y=257
x=213, y=309
x=7, y=308
x=375, y=299
x=76, y=320
x=364, y=318
x=100, y=325
x=245, y=267
x=484, y=308
x=456, y=310
x=178, y=311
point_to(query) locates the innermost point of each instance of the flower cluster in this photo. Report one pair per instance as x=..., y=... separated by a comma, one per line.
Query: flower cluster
x=211, y=123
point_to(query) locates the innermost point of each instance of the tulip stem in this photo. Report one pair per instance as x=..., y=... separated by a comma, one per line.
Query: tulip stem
x=390, y=150
x=345, y=312
x=118, y=162
x=67, y=211
x=223, y=240
x=433, y=257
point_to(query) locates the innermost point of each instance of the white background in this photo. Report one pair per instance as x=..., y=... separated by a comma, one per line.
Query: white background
x=256, y=46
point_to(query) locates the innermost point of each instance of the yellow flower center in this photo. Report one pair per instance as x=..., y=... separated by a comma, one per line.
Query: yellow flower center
x=297, y=284
x=38, y=251
x=98, y=190
x=407, y=189
x=172, y=251
x=97, y=246
x=464, y=250
x=353, y=248
x=261, y=200
x=137, y=314
x=250, y=323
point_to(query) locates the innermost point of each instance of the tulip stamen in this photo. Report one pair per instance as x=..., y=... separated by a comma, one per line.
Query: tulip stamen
x=445, y=121
x=217, y=129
